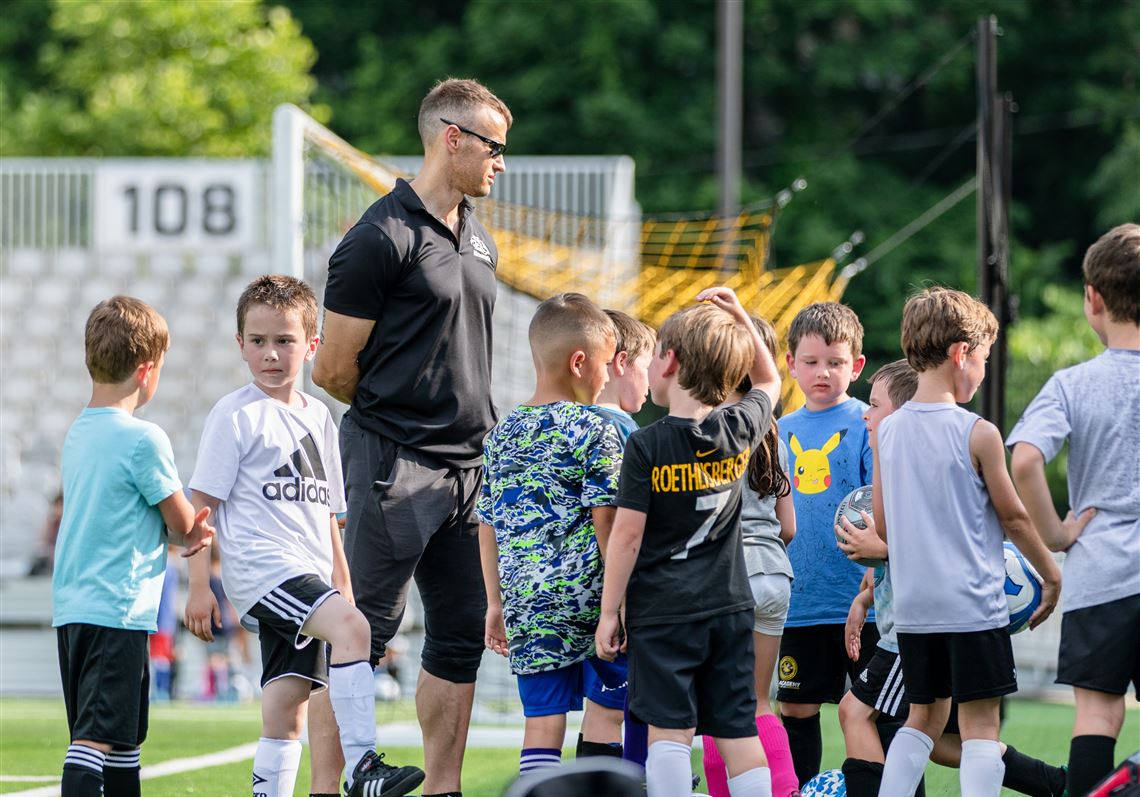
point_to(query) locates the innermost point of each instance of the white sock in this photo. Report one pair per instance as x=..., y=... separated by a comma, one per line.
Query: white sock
x=275, y=764
x=906, y=761
x=668, y=770
x=753, y=783
x=352, y=693
x=981, y=770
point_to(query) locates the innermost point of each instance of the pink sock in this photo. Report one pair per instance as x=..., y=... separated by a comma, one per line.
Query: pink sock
x=775, y=741
x=716, y=776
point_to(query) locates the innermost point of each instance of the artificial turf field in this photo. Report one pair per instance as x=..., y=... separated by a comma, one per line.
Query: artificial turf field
x=33, y=737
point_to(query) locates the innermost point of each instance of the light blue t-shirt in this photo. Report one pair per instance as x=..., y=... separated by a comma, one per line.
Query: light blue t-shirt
x=111, y=551
x=1096, y=407
x=830, y=457
x=884, y=609
x=621, y=420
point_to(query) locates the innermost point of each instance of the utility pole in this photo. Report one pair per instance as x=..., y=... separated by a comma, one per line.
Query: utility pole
x=730, y=36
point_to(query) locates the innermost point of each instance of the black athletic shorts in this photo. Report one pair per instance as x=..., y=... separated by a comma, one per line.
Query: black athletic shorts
x=409, y=516
x=695, y=675
x=1100, y=647
x=280, y=614
x=814, y=665
x=971, y=665
x=881, y=685
x=106, y=683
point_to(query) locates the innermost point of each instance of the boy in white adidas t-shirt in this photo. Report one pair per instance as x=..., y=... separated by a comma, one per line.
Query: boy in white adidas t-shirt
x=269, y=469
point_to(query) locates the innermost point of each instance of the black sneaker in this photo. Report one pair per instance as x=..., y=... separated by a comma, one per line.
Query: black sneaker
x=373, y=778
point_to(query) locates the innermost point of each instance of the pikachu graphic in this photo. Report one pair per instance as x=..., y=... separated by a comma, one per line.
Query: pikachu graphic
x=811, y=472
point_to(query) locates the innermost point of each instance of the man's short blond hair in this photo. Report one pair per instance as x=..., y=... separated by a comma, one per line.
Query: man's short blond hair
x=936, y=318
x=567, y=323
x=457, y=99
x=122, y=333
x=713, y=351
x=1112, y=268
x=832, y=321
x=901, y=381
x=634, y=337
x=283, y=293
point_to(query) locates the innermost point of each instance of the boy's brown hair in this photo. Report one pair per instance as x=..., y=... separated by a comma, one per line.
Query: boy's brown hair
x=901, y=379
x=122, y=333
x=1112, y=268
x=712, y=350
x=456, y=99
x=634, y=337
x=832, y=321
x=282, y=293
x=566, y=323
x=936, y=318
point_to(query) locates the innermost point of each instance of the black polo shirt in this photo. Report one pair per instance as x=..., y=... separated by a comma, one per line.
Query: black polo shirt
x=425, y=372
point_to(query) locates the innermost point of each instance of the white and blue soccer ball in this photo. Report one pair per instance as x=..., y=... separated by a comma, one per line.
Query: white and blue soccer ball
x=1022, y=589
x=829, y=783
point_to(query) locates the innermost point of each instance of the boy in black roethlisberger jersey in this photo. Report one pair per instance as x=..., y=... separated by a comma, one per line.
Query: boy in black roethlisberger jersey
x=675, y=555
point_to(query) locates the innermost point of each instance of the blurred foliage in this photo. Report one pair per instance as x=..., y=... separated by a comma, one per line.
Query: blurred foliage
x=148, y=77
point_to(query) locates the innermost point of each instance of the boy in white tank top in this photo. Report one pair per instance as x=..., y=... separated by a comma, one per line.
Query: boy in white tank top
x=943, y=497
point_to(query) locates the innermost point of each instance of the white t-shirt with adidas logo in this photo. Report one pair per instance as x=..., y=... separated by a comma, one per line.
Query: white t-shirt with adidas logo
x=276, y=470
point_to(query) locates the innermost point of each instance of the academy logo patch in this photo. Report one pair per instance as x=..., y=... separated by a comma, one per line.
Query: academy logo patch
x=480, y=250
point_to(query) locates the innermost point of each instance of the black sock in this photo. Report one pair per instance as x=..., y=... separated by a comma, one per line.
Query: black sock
x=81, y=782
x=121, y=773
x=1090, y=761
x=806, y=744
x=862, y=777
x=586, y=749
x=1030, y=776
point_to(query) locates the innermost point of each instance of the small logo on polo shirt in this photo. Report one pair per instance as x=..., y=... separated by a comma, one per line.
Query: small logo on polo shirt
x=480, y=250
x=306, y=469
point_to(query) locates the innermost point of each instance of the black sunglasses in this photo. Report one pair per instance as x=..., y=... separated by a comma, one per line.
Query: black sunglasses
x=497, y=148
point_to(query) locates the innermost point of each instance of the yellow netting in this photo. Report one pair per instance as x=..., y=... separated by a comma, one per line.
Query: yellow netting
x=544, y=252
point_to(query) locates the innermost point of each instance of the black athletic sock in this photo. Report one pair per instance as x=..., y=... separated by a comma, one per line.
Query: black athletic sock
x=82, y=772
x=586, y=749
x=121, y=773
x=806, y=745
x=862, y=777
x=1031, y=776
x=1090, y=761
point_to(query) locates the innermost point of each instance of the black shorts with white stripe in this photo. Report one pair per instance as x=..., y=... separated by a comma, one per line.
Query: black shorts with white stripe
x=881, y=686
x=280, y=615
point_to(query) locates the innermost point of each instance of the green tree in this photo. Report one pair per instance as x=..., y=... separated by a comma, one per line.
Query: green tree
x=152, y=78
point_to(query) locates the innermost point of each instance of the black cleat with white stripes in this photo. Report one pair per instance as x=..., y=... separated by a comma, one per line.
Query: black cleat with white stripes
x=373, y=778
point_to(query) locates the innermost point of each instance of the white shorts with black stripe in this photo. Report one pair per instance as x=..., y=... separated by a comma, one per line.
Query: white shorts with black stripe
x=881, y=686
x=278, y=618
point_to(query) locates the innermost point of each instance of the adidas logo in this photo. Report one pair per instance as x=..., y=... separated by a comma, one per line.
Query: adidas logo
x=303, y=465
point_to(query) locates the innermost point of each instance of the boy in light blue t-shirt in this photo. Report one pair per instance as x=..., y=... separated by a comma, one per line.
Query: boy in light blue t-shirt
x=122, y=496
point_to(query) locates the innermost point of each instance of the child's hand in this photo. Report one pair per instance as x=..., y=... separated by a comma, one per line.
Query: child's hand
x=202, y=613
x=608, y=639
x=1074, y=525
x=725, y=299
x=201, y=534
x=861, y=543
x=853, y=628
x=495, y=631
x=1050, y=594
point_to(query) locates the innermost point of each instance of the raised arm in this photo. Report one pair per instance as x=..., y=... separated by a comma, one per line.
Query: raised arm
x=763, y=373
x=336, y=368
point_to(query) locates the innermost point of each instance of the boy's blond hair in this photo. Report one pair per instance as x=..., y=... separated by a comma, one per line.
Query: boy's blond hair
x=1112, y=268
x=832, y=321
x=456, y=99
x=634, y=337
x=901, y=379
x=565, y=323
x=122, y=333
x=713, y=351
x=282, y=293
x=936, y=318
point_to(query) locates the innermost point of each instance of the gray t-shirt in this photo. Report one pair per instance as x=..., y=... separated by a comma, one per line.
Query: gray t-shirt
x=764, y=551
x=1096, y=407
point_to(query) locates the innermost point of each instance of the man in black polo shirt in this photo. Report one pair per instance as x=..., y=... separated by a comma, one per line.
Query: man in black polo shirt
x=407, y=342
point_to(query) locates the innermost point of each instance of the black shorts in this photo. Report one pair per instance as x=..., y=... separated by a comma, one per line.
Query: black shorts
x=106, y=683
x=409, y=516
x=881, y=685
x=971, y=665
x=280, y=614
x=1100, y=647
x=814, y=665
x=695, y=675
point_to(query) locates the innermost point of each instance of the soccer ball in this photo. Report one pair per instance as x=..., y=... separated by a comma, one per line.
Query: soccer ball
x=829, y=783
x=856, y=500
x=1022, y=589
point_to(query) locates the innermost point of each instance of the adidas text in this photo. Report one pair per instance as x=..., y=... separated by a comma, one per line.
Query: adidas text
x=296, y=490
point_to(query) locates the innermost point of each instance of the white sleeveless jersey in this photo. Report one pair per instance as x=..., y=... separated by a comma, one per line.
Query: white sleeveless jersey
x=947, y=565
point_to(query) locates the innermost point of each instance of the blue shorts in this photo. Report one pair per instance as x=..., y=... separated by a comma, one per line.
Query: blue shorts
x=559, y=691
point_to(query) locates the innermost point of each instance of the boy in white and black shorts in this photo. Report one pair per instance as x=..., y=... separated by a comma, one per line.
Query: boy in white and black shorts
x=268, y=466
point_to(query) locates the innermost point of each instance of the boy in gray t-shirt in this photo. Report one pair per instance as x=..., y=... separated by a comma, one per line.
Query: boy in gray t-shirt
x=1096, y=407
